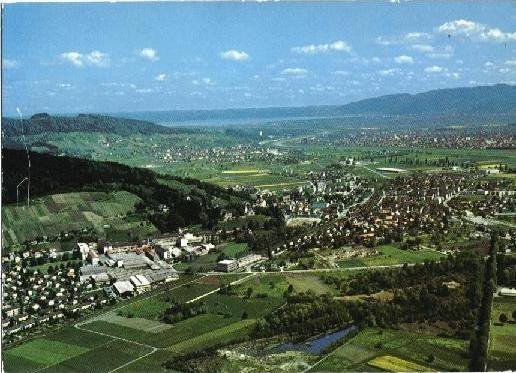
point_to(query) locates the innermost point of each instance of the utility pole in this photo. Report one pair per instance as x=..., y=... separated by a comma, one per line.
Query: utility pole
x=28, y=161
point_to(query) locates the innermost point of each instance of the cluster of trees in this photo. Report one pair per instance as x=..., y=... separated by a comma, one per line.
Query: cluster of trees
x=304, y=315
x=506, y=270
x=435, y=291
x=182, y=311
x=192, y=204
x=479, y=343
x=503, y=317
x=369, y=282
x=272, y=232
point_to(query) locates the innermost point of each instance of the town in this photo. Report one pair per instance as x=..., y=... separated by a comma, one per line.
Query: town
x=294, y=187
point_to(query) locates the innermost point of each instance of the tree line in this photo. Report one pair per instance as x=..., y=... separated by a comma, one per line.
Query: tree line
x=479, y=343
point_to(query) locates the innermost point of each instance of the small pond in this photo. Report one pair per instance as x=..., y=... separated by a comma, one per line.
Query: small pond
x=314, y=346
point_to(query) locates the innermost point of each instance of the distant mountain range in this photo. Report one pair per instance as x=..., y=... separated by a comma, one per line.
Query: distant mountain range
x=496, y=99
x=483, y=100
x=500, y=98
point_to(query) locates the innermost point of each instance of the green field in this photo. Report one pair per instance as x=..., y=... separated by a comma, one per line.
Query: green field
x=389, y=255
x=395, y=364
x=235, y=250
x=55, y=350
x=152, y=307
x=215, y=337
x=104, y=358
x=204, y=263
x=47, y=352
x=355, y=354
x=502, y=336
x=307, y=281
x=106, y=213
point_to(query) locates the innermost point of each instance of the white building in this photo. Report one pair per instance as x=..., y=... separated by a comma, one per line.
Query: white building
x=123, y=287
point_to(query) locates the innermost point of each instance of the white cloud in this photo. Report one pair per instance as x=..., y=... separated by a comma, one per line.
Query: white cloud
x=403, y=59
x=98, y=58
x=439, y=55
x=476, y=31
x=234, y=55
x=389, y=72
x=425, y=48
x=510, y=62
x=206, y=81
x=10, y=64
x=75, y=58
x=489, y=64
x=336, y=46
x=143, y=90
x=161, y=77
x=149, y=54
x=435, y=69
x=296, y=71
x=94, y=58
x=341, y=72
x=409, y=38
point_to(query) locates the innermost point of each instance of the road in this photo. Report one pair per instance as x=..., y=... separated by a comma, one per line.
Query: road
x=236, y=282
x=375, y=172
x=315, y=270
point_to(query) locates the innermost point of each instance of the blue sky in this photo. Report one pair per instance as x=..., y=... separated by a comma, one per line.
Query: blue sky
x=106, y=57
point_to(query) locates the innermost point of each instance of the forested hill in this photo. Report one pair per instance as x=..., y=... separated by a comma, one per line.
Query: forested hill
x=189, y=201
x=45, y=123
x=500, y=98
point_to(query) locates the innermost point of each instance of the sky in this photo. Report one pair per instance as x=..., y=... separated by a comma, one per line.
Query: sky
x=113, y=57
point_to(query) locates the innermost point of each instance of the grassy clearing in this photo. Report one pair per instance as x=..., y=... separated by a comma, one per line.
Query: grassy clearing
x=234, y=250
x=203, y=263
x=230, y=306
x=139, y=323
x=449, y=354
x=389, y=255
x=502, y=351
x=306, y=281
x=395, y=364
x=264, y=285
